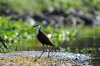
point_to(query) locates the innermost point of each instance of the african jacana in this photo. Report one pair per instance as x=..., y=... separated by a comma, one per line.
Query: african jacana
x=42, y=37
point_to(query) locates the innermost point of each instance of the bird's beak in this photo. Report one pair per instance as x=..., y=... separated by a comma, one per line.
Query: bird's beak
x=34, y=25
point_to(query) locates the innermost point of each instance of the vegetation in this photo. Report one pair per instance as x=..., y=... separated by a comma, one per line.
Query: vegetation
x=25, y=6
x=20, y=34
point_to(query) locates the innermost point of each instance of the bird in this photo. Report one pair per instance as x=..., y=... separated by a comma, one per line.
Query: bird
x=42, y=37
x=3, y=42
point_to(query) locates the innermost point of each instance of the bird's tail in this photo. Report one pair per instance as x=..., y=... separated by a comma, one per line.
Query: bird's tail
x=52, y=45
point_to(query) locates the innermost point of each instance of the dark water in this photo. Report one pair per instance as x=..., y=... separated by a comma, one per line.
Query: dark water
x=89, y=46
x=95, y=53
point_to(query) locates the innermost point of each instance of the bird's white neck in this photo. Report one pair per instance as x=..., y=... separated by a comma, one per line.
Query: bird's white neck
x=37, y=30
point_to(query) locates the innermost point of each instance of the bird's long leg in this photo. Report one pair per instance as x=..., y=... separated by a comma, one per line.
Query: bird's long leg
x=48, y=51
x=42, y=52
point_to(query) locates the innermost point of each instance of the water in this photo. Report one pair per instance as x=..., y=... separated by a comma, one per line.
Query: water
x=87, y=46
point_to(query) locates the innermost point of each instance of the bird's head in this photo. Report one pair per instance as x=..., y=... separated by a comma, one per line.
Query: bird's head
x=37, y=26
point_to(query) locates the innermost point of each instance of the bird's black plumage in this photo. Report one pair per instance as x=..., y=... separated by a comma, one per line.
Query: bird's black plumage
x=44, y=39
x=42, y=36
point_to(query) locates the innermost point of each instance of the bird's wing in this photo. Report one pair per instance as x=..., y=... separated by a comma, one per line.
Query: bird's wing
x=44, y=39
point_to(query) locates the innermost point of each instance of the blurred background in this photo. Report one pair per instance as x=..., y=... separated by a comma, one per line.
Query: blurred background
x=71, y=24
